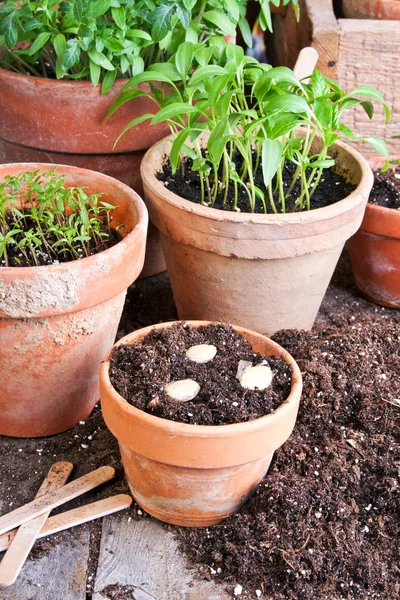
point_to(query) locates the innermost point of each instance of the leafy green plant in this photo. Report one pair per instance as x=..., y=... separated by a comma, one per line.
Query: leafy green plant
x=42, y=222
x=101, y=40
x=248, y=114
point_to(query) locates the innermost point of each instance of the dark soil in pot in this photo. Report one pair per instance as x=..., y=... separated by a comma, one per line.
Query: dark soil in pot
x=325, y=523
x=332, y=188
x=140, y=373
x=386, y=189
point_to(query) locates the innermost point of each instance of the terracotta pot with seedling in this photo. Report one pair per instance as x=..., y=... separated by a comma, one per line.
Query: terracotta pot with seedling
x=254, y=193
x=71, y=242
x=198, y=409
x=63, y=67
x=375, y=248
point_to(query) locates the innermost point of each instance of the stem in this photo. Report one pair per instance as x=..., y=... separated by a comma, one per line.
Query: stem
x=280, y=187
x=271, y=198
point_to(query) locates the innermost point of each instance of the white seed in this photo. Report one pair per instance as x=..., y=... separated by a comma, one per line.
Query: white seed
x=258, y=377
x=201, y=353
x=243, y=366
x=182, y=390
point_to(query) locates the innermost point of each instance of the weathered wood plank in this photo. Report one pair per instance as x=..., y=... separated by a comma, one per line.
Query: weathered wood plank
x=144, y=557
x=59, y=574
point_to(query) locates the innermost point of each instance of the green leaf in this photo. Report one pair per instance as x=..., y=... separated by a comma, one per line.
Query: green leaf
x=108, y=81
x=71, y=56
x=370, y=92
x=147, y=76
x=95, y=71
x=233, y=8
x=271, y=154
x=217, y=141
x=123, y=98
x=9, y=29
x=184, y=58
x=288, y=102
x=322, y=164
x=162, y=19
x=40, y=41
x=138, y=33
x=283, y=76
x=171, y=111
x=203, y=73
x=60, y=45
x=97, y=8
x=176, y=148
x=221, y=21
x=132, y=123
x=246, y=32
x=118, y=14
x=265, y=16
x=167, y=69
x=368, y=107
x=323, y=111
x=100, y=59
x=379, y=145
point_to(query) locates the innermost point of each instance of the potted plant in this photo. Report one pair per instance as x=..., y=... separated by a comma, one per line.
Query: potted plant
x=372, y=9
x=71, y=243
x=179, y=469
x=64, y=63
x=375, y=248
x=231, y=190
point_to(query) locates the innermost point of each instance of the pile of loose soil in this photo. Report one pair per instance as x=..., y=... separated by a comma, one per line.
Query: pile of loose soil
x=140, y=373
x=386, y=189
x=325, y=522
x=186, y=184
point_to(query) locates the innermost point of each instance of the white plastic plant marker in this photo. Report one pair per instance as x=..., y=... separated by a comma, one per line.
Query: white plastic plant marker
x=55, y=498
x=74, y=517
x=182, y=390
x=26, y=535
x=201, y=353
x=305, y=63
x=256, y=378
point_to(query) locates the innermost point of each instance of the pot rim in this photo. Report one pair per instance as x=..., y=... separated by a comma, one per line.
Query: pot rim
x=141, y=219
x=203, y=431
x=50, y=82
x=317, y=214
x=378, y=219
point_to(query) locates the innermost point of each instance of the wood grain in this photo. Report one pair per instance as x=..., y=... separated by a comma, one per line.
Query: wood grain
x=56, y=498
x=145, y=557
x=74, y=517
x=25, y=537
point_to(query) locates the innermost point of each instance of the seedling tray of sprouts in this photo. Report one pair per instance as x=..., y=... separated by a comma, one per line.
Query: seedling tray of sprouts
x=206, y=375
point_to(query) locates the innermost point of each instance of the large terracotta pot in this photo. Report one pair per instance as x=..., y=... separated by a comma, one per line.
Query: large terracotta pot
x=57, y=322
x=266, y=272
x=372, y=9
x=375, y=253
x=62, y=122
x=196, y=475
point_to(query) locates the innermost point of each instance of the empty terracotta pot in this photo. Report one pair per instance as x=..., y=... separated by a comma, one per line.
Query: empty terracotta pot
x=196, y=475
x=372, y=9
x=266, y=272
x=63, y=122
x=375, y=253
x=57, y=322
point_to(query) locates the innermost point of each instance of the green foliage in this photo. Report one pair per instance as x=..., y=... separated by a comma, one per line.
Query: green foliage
x=39, y=216
x=250, y=113
x=102, y=40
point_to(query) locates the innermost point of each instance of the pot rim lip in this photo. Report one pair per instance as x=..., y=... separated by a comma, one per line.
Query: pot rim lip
x=87, y=261
x=192, y=430
x=215, y=214
x=48, y=81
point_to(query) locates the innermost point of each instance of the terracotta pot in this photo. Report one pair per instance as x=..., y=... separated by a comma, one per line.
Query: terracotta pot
x=375, y=253
x=56, y=322
x=196, y=475
x=62, y=122
x=372, y=9
x=266, y=272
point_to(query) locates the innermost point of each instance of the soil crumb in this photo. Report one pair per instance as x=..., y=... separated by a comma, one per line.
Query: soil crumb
x=140, y=373
x=386, y=189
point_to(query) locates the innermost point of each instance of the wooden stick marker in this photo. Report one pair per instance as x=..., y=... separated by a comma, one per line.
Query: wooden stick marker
x=26, y=535
x=74, y=517
x=56, y=498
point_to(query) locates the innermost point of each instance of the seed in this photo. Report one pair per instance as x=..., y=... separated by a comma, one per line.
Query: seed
x=182, y=390
x=201, y=353
x=252, y=378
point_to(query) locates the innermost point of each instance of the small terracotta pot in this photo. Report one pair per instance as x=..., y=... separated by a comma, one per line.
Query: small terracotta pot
x=372, y=9
x=267, y=272
x=375, y=253
x=196, y=475
x=56, y=322
x=63, y=122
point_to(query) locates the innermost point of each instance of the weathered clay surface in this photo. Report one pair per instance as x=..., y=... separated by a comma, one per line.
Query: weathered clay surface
x=372, y=9
x=196, y=475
